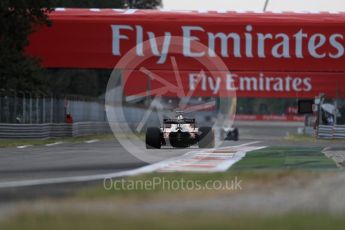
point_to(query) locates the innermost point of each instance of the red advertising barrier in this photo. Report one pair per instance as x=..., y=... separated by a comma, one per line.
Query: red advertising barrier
x=244, y=84
x=88, y=38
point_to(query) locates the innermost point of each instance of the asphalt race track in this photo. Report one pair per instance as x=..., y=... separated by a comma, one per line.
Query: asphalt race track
x=83, y=159
x=66, y=159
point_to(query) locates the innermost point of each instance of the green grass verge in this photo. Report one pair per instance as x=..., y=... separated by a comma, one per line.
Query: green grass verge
x=285, y=158
x=300, y=137
x=307, y=138
x=93, y=220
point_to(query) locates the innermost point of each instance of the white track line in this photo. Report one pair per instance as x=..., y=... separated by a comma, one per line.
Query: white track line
x=24, y=183
x=210, y=160
x=242, y=145
x=95, y=10
x=53, y=144
x=239, y=155
x=23, y=146
x=91, y=141
x=146, y=169
x=130, y=11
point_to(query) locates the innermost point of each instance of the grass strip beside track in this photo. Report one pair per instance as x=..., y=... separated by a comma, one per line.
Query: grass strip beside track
x=282, y=158
x=93, y=220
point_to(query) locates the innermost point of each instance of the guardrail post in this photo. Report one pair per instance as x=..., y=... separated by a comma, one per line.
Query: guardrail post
x=1, y=97
x=24, y=107
x=14, y=118
x=0, y=108
x=7, y=109
x=40, y=93
x=37, y=109
x=44, y=109
x=30, y=108
x=51, y=108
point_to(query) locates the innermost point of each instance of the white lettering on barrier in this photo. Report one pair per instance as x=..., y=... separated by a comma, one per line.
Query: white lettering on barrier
x=248, y=44
x=248, y=83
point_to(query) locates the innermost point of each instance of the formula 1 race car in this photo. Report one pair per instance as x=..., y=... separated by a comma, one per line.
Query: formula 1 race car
x=230, y=134
x=180, y=132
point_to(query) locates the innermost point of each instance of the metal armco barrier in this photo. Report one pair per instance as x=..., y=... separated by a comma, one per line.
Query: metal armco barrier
x=331, y=132
x=90, y=128
x=339, y=131
x=44, y=131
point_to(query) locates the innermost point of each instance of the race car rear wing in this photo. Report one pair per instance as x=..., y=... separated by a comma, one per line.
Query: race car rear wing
x=179, y=121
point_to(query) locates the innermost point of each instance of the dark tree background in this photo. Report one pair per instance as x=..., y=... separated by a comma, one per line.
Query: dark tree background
x=138, y=4
x=143, y=4
x=19, y=71
x=17, y=21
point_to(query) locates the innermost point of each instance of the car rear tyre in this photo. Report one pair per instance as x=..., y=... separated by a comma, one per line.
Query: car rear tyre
x=206, y=137
x=153, y=138
x=232, y=135
x=236, y=134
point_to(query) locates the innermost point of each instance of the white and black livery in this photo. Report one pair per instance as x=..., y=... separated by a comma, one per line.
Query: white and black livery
x=179, y=132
